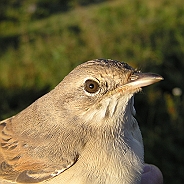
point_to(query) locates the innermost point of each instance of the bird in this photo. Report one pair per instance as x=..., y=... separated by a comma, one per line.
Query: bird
x=83, y=131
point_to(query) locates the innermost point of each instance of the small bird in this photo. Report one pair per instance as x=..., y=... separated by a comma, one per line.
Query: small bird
x=81, y=132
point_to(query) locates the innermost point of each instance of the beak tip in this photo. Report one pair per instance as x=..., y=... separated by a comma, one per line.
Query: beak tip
x=145, y=79
x=157, y=77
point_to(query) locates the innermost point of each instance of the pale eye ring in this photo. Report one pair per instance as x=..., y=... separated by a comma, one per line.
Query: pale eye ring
x=91, y=86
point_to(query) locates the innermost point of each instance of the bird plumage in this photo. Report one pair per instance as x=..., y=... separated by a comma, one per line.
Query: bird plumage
x=82, y=132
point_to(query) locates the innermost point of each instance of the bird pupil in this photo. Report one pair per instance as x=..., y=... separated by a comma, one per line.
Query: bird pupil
x=91, y=86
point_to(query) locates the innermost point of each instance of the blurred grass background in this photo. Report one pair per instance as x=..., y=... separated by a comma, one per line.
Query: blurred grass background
x=42, y=41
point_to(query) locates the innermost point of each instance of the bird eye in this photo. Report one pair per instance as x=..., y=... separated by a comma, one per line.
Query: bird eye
x=91, y=86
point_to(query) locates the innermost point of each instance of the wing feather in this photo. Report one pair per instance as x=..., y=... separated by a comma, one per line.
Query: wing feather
x=17, y=165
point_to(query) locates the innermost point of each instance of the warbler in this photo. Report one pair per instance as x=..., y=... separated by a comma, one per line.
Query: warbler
x=81, y=132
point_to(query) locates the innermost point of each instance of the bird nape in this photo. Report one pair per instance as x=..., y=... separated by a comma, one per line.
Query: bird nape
x=81, y=132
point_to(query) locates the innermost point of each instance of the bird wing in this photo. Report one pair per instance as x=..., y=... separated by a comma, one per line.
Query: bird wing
x=17, y=165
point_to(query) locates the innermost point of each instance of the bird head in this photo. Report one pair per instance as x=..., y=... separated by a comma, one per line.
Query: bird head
x=100, y=90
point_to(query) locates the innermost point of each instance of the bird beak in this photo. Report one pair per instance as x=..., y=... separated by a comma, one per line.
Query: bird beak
x=138, y=80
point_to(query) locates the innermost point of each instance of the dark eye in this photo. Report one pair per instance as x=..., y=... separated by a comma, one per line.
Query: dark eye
x=91, y=86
